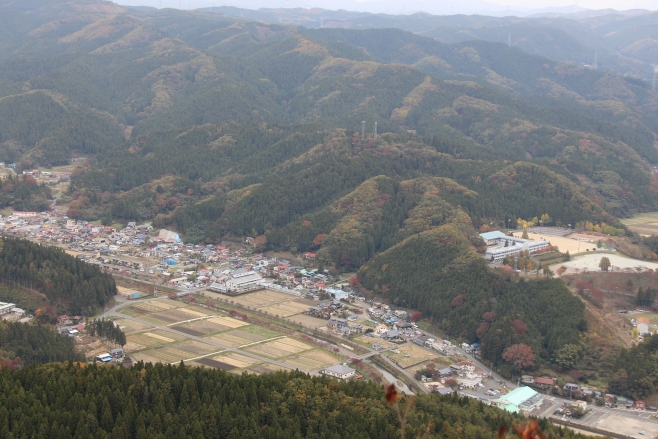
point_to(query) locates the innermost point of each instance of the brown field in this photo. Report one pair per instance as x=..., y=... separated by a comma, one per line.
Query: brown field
x=209, y=362
x=279, y=348
x=277, y=311
x=173, y=316
x=126, y=291
x=155, y=305
x=145, y=357
x=312, y=360
x=562, y=243
x=196, y=348
x=201, y=327
x=236, y=360
x=416, y=355
x=152, y=338
x=237, y=338
x=228, y=321
x=305, y=320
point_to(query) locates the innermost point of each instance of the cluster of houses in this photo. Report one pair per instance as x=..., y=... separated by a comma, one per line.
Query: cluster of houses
x=112, y=355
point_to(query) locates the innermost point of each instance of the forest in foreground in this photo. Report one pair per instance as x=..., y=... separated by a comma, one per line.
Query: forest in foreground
x=71, y=401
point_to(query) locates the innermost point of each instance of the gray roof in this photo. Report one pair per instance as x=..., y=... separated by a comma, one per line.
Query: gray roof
x=340, y=369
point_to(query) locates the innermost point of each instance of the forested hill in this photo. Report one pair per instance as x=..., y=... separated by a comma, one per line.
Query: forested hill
x=69, y=284
x=83, y=401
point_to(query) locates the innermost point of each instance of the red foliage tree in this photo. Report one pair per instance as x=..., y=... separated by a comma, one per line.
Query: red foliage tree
x=260, y=242
x=520, y=327
x=416, y=316
x=520, y=356
x=74, y=213
x=355, y=281
x=459, y=300
x=488, y=316
x=482, y=329
x=31, y=180
x=319, y=239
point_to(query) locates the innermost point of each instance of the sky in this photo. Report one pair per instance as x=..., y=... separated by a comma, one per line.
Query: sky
x=396, y=6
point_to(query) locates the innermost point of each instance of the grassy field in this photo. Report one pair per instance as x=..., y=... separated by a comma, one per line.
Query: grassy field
x=411, y=355
x=643, y=223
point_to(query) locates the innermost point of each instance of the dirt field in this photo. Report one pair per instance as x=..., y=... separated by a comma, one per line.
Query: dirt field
x=591, y=263
x=369, y=341
x=411, y=354
x=563, y=244
x=309, y=321
x=644, y=224
x=266, y=368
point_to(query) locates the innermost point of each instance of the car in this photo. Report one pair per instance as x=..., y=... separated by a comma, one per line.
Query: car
x=640, y=432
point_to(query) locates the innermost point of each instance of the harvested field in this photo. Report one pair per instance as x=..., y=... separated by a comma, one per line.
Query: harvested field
x=169, y=354
x=259, y=298
x=236, y=360
x=214, y=364
x=189, y=331
x=193, y=313
x=155, y=305
x=250, y=336
x=228, y=321
x=201, y=327
x=280, y=312
x=129, y=326
x=196, y=348
x=278, y=348
x=416, y=355
x=150, y=339
x=229, y=340
x=312, y=360
x=145, y=357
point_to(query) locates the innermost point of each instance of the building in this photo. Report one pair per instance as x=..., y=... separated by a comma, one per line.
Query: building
x=500, y=245
x=117, y=353
x=5, y=308
x=521, y=398
x=104, y=358
x=339, y=371
x=239, y=281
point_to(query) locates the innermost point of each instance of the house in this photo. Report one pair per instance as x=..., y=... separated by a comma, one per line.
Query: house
x=340, y=371
x=643, y=329
x=571, y=387
x=544, y=381
x=117, y=353
x=466, y=366
x=579, y=404
x=445, y=372
x=640, y=405
x=470, y=383
x=444, y=390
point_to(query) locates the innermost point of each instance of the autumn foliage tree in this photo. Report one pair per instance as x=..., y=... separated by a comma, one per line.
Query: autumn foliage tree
x=604, y=265
x=520, y=356
x=260, y=242
x=459, y=300
x=319, y=239
x=416, y=316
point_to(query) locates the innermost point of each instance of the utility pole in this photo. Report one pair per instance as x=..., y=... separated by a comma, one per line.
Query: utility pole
x=363, y=130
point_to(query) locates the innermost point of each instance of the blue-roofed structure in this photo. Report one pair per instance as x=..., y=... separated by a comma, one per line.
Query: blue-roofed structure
x=491, y=236
x=523, y=398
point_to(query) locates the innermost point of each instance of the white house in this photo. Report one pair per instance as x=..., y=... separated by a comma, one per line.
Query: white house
x=340, y=371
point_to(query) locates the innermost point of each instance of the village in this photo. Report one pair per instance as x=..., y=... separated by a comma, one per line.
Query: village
x=340, y=333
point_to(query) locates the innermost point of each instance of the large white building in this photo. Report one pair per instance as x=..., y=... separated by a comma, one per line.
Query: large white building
x=238, y=281
x=6, y=308
x=500, y=245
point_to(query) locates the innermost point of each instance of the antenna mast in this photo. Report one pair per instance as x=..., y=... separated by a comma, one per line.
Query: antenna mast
x=363, y=124
x=375, y=130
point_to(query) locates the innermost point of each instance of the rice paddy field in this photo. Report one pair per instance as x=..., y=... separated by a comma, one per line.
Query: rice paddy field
x=171, y=331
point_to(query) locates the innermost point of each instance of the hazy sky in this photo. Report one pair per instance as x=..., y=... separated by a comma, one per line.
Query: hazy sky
x=394, y=5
